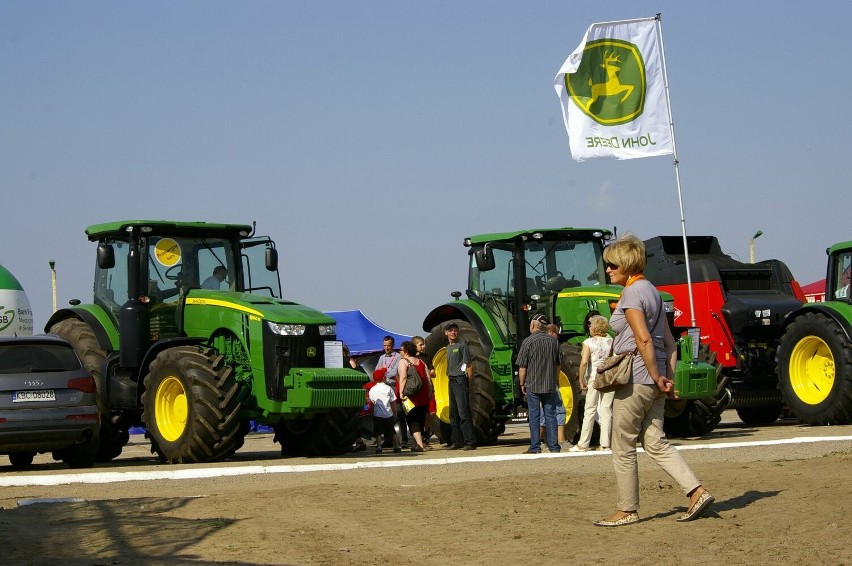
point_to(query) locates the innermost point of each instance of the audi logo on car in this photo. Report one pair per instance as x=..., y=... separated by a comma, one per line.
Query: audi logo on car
x=34, y=383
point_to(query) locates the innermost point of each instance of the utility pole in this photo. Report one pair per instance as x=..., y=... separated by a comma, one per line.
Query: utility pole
x=757, y=235
x=52, y=265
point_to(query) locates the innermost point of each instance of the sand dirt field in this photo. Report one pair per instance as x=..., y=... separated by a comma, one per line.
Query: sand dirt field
x=786, y=503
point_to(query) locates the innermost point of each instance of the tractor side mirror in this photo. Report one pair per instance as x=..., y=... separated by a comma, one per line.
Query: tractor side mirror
x=484, y=259
x=106, y=256
x=271, y=259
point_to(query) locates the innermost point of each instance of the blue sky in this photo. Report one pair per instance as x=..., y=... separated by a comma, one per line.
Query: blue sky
x=369, y=138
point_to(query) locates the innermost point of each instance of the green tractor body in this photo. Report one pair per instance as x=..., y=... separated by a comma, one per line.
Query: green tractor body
x=194, y=358
x=512, y=276
x=815, y=353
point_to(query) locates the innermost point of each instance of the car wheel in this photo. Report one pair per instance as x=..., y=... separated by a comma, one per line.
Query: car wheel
x=21, y=460
x=80, y=455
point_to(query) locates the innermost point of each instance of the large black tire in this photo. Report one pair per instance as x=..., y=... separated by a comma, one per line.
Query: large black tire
x=482, y=406
x=190, y=405
x=696, y=417
x=760, y=415
x=815, y=370
x=80, y=335
x=325, y=434
x=571, y=355
x=21, y=460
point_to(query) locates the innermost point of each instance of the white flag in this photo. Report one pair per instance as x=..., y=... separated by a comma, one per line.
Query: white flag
x=613, y=93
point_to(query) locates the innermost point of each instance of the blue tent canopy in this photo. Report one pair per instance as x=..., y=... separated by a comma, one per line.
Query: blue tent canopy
x=362, y=335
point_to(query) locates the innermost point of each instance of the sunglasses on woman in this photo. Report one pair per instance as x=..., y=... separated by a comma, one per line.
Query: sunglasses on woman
x=609, y=265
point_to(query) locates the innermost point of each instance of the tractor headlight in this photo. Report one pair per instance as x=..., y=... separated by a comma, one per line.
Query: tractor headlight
x=287, y=329
x=328, y=329
x=668, y=306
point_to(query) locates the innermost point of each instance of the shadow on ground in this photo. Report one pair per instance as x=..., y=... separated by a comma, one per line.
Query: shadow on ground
x=126, y=531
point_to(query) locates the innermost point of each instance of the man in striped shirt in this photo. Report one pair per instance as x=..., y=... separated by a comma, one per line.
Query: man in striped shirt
x=538, y=373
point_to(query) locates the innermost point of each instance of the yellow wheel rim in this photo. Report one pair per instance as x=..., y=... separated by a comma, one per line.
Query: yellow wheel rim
x=441, y=385
x=171, y=408
x=567, y=394
x=811, y=370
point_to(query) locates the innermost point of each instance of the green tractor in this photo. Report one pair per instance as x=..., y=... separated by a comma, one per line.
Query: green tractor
x=815, y=357
x=188, y=335
x=512, y=276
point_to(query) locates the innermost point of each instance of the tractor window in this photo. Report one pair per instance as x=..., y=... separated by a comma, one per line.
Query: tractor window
x=258, y=279
x=177, y=264
x=212, y=255
x=843, y=271
x=111, y=284
x=554, y=266
x=495, y=289
x=497, y=281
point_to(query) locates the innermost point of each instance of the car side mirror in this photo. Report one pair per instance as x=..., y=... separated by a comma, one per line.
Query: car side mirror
x=106, y=256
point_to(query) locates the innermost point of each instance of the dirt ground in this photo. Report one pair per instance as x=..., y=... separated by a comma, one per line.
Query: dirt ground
x=782, y=504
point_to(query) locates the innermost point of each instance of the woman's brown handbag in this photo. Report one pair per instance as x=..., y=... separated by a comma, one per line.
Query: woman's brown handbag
x=614, y=371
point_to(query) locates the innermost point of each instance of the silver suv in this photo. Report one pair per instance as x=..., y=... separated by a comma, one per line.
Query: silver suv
x=47, y=402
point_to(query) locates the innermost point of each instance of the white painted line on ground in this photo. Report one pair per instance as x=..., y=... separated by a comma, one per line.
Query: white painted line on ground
x=37, y=500
x=201, y=473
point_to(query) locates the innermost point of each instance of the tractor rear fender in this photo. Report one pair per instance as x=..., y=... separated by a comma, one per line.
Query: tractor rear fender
x=165, y=344
x=471, y=312
x=96, y=317
x=826, y=309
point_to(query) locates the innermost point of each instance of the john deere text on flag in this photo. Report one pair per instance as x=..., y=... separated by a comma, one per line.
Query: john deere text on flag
x=612, y=91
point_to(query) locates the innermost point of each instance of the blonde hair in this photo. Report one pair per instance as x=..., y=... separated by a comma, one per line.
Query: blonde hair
x=417, y=340
x=598, y=325
x=628, y=253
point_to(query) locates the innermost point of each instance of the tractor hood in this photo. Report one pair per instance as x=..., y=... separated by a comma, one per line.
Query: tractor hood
x=257, y=306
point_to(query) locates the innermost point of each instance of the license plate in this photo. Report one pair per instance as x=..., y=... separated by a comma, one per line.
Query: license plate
x=29, y=396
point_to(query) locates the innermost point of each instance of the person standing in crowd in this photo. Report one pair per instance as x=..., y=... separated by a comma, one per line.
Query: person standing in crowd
x=433, y=408
x=367, y=411
x=387, y=366
x=595, y=350
x=416, y=415
x=553, y=330
x=538, y=375
x=420, y=343
x=640, y=325
x=388, y=361
x=460, y=372
x=383, y=399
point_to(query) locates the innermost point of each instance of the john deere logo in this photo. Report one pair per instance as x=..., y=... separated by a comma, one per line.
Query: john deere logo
x=609, y=86
x=311, y=352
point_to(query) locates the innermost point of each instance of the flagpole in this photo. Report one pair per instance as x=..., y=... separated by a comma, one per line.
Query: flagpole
x=677, y=170
x=617, y=22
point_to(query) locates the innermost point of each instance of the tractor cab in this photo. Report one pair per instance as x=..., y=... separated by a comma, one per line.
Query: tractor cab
x=516, y=275
x=839, y=273
x=154, y=267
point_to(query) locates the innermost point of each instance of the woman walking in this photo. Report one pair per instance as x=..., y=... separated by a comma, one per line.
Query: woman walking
x=640, y=325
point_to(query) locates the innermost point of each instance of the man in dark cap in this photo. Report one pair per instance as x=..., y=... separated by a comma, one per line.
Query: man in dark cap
x=460, y=372
x=538, y=373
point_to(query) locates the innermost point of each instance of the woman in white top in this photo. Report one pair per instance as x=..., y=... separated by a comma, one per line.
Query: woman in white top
x=595, y=349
